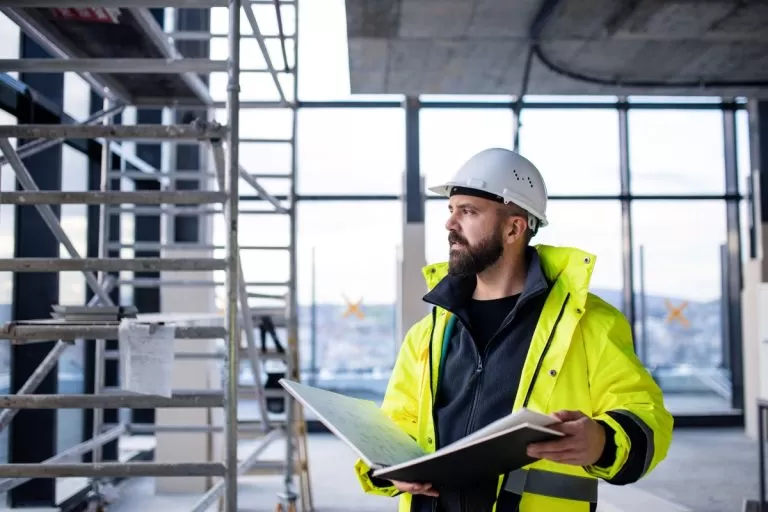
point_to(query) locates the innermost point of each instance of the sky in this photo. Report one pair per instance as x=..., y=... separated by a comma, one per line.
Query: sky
x=355, y=151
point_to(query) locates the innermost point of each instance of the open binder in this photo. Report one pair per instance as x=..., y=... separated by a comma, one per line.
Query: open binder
x=393, y=455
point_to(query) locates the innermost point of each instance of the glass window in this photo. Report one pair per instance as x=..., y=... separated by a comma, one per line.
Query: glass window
x=270, y=230
x=255, y=86
x=678, y=288
x=585, y=225
x=72, y=291
x=347, y=276
x=77, y=97
x=576, y=223
x=7, y=236
x=10, y=41
x=676, y=152
x=351, y=151
x=262, y=123
x=577, y=151
x=451, y=136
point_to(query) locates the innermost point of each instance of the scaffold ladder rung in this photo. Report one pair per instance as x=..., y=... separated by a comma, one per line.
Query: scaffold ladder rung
x=187, y=197
x=111, y=469
x=138, y=132
x=110, y=264
x=114, y=400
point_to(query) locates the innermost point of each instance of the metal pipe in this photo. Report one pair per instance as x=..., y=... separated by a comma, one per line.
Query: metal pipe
x=109, y=264
x=34, y=380
x=133, y=3
x=47, y=364
x=138, y=132
x=262, y=191
x=281, y=35
x=112, y=197
x=166, y=210
x=199, y=35
x=23, y=334
x=111, y=469
x=293, y=326
x=264, y=50
x=163, y=175
x=74, y=451
x=46, y=212
x=233, y=274
x=38, y=145
x=265, y=140
x=253, y=353
x=114, y=65
x=158, y=246
x=214, y=492
x=151, y=282
x=179, y=399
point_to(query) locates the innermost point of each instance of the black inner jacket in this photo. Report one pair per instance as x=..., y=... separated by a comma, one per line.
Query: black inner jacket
x=481, y=372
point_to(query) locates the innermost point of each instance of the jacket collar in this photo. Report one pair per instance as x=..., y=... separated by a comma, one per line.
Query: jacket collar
x=565, y=266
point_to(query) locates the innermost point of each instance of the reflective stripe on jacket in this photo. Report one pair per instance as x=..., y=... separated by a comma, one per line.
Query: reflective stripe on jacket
x=581, y=358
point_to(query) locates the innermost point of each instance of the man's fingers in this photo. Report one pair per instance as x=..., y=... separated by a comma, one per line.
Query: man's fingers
x=416, y=488
x=569, y=427
x=573, y=457
x=566, y=415
x=542, y=450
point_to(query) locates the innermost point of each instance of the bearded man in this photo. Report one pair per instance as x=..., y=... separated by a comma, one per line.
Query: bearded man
x=514, y=325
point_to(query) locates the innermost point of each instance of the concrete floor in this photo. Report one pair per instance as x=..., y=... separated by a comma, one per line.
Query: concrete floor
x=706, y=471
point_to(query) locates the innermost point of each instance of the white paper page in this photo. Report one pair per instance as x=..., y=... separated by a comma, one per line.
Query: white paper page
x=360, y=423
x=146, y=357
x=511, y=420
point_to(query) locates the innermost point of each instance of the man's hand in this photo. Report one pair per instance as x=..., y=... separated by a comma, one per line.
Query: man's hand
x=582, y=444
x=413, y=488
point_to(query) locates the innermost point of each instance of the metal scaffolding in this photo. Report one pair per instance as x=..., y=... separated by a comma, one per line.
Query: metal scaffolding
x=164, y=79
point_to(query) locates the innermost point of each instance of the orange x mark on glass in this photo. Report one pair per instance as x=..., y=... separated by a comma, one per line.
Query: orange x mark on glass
x=676, y=313
x=354, y=308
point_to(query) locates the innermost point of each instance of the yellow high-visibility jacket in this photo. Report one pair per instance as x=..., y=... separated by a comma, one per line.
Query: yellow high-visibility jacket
x=581, y=357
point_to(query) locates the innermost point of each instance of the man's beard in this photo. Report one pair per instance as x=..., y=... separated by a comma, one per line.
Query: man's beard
x=471, y=260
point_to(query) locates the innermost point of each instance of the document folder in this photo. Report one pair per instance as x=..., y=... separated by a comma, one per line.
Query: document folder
x=393, y=455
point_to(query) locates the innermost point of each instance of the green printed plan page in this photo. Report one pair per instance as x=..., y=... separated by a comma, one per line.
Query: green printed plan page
x=393, y=455
x=359, y=423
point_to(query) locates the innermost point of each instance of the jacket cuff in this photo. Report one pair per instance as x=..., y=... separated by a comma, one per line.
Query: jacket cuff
x=372, y=485
x=634, y=448
x=615, y=451
x=608, y=457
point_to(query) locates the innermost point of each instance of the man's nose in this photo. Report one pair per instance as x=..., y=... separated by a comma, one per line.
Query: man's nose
x=451, y=223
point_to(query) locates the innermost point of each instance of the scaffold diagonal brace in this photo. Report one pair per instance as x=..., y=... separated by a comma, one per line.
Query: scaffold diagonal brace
x=46, y=212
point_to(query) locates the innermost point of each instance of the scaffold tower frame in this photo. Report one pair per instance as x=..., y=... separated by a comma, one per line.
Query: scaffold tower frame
x=124, y=82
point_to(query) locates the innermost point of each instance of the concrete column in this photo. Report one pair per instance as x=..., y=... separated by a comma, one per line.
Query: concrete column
x=412, y=257
x=191, y=301
x=755, y=289
x=411, y=287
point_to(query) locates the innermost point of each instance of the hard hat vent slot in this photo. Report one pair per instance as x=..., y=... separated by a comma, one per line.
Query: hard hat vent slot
x=530, y=182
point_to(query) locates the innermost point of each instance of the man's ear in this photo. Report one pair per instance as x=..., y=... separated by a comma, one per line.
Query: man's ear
x=515, y=228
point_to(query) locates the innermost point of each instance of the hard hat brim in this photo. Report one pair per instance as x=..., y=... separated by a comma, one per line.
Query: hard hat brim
x=444, y=190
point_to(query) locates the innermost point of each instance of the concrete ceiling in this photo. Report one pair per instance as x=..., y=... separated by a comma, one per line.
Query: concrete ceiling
x=481, y=46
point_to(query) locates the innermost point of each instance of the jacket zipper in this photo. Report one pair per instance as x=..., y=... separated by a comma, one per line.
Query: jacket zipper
x=544, y=352
x=432, y=390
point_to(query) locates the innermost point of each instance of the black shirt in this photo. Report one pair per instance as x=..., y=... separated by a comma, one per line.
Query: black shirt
x=486, y=316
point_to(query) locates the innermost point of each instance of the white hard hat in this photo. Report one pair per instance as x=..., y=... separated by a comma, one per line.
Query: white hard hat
x=503, y=175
